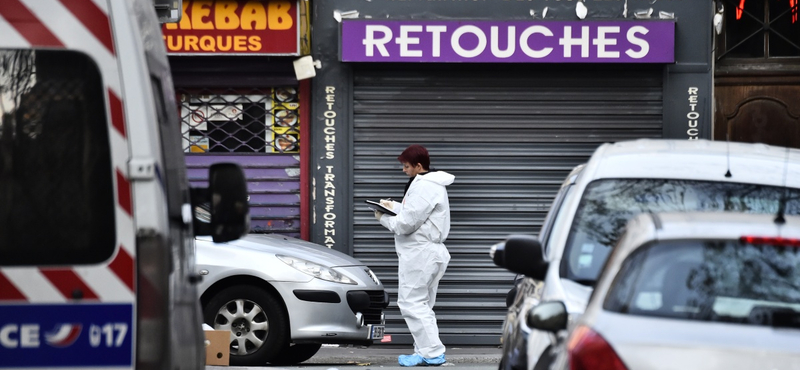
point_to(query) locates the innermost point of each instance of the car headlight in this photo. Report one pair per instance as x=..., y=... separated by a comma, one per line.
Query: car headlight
x=316, y=270
x=373, y=276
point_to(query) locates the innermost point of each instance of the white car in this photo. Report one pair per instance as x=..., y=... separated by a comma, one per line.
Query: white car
x=282, y=298
x=712, y=291
x=619, y=181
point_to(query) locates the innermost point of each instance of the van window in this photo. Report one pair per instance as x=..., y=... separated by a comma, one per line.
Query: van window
x=608, y=204
x=56, y=179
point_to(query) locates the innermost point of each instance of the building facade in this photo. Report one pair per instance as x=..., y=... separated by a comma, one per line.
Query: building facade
x=232, y=65
x=757, y=72
x=508, y=96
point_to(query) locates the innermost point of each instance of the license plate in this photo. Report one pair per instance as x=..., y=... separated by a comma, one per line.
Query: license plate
x=376, y=332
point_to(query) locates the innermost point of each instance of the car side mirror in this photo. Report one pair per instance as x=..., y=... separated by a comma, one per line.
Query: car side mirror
x=522, y=254
x=221, y=210
x=497, y=254
x=548, y=316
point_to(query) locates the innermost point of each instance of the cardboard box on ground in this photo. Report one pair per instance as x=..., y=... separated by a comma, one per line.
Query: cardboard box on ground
x=218, y=347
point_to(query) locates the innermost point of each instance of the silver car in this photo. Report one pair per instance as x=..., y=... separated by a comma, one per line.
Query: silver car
x=282, y=298
x=689, y=291
x=619, y=181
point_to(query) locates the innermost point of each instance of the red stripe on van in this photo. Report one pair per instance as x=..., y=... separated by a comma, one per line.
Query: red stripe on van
x=68, y=283
x=9, y=292
x=124, y=193
x=117, y=110
x=93, y=19
x=26, y=23
x=122, y=266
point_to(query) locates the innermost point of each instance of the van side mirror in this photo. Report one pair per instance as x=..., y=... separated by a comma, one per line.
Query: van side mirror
x=521, y=254
x=221, y=210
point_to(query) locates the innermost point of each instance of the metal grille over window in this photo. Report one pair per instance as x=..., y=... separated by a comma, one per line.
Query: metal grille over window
x=239, y=121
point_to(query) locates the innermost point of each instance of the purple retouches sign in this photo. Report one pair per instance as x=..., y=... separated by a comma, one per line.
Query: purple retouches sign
x=508, y=41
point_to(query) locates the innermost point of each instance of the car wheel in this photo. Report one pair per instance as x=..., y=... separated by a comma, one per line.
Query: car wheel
x=296, y=354
x=256, y=320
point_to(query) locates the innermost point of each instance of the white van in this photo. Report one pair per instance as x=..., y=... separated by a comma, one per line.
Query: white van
x=619, y=181
x=96, y=216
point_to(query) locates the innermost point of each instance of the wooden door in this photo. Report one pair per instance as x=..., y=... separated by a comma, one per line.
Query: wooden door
x=758, y=110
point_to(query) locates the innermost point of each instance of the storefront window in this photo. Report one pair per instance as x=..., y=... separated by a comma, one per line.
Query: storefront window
x=251, y=121
x=761, y=29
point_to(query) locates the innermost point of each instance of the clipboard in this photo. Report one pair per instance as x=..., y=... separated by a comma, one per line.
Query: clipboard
x=377, y=206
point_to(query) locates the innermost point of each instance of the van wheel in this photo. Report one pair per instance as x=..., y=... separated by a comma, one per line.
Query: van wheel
x=296, y=354
x=257, y=322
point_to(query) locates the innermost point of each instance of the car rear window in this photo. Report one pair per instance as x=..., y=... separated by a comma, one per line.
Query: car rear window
x=716, y=280
x=56, y=180
x=608, y=204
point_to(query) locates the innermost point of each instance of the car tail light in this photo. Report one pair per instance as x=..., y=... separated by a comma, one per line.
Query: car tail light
x=589, y=351
x=778, y=241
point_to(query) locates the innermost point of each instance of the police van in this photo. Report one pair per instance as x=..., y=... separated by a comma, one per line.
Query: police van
x=96, y=215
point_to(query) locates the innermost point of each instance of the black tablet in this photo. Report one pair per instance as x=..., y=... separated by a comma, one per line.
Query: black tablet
x=377, y=206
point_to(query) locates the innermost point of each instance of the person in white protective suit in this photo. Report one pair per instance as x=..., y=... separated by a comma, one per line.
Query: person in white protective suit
x=420, y=227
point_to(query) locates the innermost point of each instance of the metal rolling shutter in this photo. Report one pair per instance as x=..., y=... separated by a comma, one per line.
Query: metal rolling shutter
x=510, y=134
x=273, y=184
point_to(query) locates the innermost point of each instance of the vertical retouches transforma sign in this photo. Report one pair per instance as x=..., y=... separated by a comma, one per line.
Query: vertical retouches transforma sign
x=508, y=41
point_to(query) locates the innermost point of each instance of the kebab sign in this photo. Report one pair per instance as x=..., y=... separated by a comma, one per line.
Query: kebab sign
x=269, y=27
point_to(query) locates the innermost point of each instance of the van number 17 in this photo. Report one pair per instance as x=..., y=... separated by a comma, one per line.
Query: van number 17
x=114, y=334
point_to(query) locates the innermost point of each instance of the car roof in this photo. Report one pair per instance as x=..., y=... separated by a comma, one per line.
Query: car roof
x=695, y=160
x=648, y=227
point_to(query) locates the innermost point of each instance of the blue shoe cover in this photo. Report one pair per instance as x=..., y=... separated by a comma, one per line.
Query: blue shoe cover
x=417, y=360
x=436, y=361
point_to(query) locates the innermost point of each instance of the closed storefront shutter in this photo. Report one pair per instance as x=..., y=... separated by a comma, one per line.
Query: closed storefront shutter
x=510, y=134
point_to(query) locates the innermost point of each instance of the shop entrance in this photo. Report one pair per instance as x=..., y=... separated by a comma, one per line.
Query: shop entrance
x=510, y=134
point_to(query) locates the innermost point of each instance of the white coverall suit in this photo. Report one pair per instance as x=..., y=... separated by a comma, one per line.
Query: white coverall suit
x=421, y=227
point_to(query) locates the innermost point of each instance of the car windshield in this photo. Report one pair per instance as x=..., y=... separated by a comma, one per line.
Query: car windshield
x=710, y=280
x=608, y=204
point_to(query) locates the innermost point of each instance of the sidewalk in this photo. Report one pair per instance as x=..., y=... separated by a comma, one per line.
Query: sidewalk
x=334, y=357
x=388, y=354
